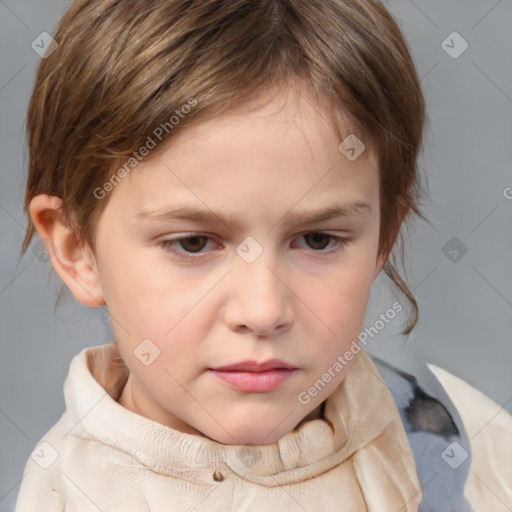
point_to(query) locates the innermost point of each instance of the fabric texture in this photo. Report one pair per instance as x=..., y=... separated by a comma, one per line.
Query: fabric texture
x=409, y=437
x=436, y=435
x=99, y=455
x=489, y=429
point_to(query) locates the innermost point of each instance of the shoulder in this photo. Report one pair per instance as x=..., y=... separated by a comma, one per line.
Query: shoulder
x=460, y=438
x=489, y=429
x=435, y=433
x=41, y=486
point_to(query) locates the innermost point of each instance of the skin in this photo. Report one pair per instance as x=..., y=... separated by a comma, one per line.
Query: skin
x=302, y=300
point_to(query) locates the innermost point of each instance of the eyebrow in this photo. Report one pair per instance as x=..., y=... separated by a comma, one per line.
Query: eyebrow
x=205, y=216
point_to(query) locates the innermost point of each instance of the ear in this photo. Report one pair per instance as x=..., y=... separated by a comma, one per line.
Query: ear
x=72, y=260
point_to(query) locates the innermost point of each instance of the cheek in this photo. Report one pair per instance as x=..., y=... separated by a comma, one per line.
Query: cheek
x=340, y=299
x=166, y=310
x=134, y=286
x=339, y=304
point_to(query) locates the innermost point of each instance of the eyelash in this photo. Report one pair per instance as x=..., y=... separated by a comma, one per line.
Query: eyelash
x=168, y=244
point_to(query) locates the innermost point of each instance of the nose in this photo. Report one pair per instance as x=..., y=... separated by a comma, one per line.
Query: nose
x=260, y=300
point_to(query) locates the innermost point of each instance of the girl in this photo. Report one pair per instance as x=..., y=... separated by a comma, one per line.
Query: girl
x=229, y=178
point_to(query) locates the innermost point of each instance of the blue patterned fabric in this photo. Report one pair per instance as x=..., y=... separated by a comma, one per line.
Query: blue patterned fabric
x=436, y=435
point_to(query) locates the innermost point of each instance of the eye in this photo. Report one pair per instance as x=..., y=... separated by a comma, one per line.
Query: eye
x=191, y=245
x=319, y=241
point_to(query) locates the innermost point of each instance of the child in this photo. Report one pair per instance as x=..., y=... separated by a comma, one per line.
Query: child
x=228, y=178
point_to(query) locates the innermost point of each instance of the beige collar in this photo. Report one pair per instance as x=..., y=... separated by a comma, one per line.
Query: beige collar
x=361, y=429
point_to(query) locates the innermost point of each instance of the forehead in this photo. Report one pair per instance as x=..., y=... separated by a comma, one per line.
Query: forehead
x=283, y=155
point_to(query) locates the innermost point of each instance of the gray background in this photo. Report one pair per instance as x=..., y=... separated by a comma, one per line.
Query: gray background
x=465, y=306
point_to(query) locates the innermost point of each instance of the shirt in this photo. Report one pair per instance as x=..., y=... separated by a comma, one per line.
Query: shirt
x=356, y=457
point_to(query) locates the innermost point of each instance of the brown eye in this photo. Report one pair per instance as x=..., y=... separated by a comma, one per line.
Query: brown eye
x=193, y=243
x=318, y=241
x=186, y=246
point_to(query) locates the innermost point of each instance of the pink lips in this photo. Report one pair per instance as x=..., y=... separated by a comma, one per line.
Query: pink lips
x=254, y=377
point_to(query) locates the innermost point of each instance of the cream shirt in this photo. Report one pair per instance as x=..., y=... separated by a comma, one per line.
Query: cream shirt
x=102, y=456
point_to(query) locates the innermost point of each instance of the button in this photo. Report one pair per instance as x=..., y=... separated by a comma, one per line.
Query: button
x=218, y=476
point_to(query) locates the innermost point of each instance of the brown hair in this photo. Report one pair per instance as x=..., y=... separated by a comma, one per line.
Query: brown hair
x=123, y=68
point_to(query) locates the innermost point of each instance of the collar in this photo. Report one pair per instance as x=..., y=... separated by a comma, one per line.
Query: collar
x=360, y=421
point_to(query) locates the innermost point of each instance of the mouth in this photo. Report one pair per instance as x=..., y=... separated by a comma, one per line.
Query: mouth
x=254, y=377
x=254, y=366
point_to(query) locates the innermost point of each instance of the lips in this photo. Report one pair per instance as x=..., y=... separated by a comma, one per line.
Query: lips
x=254, y=366
x=254, y=377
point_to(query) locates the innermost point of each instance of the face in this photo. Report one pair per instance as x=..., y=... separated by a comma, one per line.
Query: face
x=209, y=256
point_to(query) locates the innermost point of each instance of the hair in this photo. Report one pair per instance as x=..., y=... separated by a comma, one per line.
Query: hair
x=122, y=69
